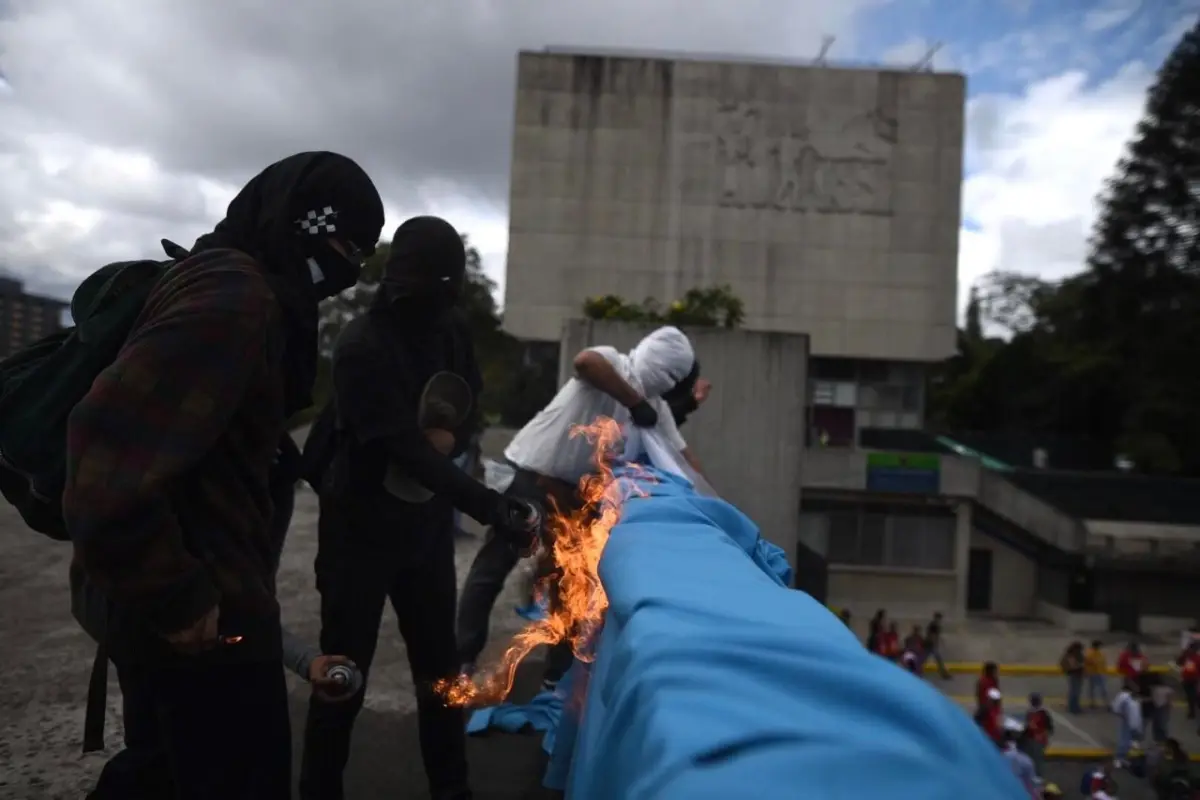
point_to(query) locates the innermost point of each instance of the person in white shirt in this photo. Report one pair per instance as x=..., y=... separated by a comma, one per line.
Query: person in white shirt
x=1128, y=708
x=549, y=462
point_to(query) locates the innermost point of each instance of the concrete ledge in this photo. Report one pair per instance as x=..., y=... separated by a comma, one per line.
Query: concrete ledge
x=1030, y=670
x=1076, y=621
x=1162, y=626
x=1094, y=754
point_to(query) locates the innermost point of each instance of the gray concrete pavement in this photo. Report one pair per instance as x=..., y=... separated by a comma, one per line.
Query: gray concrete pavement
x=44, y=681
x=1094, y=728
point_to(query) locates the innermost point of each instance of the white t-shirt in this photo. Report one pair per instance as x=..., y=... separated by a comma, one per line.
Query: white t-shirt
x=545, y=444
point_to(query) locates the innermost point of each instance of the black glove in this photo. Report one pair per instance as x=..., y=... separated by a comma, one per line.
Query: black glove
x=517, y=520
x=643, y=414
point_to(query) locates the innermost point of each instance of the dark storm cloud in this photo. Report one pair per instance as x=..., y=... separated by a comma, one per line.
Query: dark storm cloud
x=417, y=91
x=130, y=120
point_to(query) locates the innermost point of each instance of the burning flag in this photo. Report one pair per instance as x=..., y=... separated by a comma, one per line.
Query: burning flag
x=578, y=543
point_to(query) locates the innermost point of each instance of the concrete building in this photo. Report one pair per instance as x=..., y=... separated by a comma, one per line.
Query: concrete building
x=828, y=199
x=25, y=318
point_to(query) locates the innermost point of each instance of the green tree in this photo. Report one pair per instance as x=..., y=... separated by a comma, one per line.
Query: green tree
x=1137, y=322
x=1107, y=354
x=712, y=307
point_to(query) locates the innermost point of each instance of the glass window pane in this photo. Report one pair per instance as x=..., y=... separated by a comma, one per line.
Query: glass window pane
x=904, y=541
x=814, y=531
x=891, y=397
x=822, y=393
x=938, y=545
x=873, y=371
x=845, y=395
x=868, y=396
x=884, y=419
x=843, y=537
x=872, y=537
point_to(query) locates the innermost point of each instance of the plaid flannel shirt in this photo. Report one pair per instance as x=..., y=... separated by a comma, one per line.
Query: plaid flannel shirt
x=167, y=499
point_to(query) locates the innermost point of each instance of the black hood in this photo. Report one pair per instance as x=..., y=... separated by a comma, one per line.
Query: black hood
x=291, y=210
x=426, y=268
x=285, y=218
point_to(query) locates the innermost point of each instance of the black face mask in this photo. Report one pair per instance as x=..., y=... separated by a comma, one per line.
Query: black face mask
x=333, y=273
x=285, y=218
x=426, y=272
x=443, y=294
x=682, y=391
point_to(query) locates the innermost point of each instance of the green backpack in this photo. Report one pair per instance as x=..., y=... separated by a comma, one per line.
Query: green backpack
x=40, y=385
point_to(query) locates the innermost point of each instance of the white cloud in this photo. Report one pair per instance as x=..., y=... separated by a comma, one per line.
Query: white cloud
x=1110, y=15
x=907, y=53
x=1036, y=165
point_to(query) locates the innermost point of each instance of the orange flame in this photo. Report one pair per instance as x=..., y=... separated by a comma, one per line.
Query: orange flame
x=579, y=538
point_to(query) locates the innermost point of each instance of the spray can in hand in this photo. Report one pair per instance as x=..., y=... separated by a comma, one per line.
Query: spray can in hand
x=348, y=678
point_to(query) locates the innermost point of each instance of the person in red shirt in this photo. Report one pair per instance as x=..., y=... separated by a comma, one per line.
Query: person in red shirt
x=1039, y=726
x=1132, y=664
x=1189, y=674
x=990, y=717
x=889, y=643
x=990, y=679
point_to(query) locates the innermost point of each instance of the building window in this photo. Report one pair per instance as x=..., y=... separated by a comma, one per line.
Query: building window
x=833, y=393
x=874, y=539
x=831, y=427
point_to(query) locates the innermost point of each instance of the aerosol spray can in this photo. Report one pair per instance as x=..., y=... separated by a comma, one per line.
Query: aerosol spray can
x=349, y=679
x=533, y=521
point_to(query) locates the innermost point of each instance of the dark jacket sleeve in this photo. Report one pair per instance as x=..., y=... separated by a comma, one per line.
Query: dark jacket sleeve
x=473, y=425
x=148, y=419
x=378, y=406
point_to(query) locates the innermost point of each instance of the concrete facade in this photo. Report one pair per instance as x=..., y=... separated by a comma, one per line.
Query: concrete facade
x=749, y=434
x=828, y=199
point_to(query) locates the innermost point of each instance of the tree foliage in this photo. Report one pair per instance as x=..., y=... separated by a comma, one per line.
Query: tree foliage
x=713, y=307
x=1108, y=354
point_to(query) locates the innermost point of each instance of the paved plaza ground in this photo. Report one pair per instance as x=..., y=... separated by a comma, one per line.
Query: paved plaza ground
x=47, y=662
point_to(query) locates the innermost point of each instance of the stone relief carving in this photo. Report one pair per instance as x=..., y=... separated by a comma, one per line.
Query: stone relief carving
x=846, y=174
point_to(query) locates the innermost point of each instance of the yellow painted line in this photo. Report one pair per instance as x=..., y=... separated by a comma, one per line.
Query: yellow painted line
x=1031, y=670
x=1095, y=753
x=1053, y=702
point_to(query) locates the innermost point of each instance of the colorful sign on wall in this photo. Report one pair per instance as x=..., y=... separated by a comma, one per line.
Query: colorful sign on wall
x=913, y=473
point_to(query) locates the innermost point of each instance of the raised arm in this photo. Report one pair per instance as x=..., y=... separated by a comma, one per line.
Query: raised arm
x=150, y=417
x=594, y=367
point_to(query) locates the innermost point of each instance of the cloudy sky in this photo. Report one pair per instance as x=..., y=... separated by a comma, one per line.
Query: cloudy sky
x=124, y=121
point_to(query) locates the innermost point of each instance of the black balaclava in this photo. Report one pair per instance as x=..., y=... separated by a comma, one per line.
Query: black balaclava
x=286, y=218
x=682, y=392
x=426, y=270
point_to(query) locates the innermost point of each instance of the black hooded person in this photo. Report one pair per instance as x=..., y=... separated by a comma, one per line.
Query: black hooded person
x=167, y=499
x=378, y=543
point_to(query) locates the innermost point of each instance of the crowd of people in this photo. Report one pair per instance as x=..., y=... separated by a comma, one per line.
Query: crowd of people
x=1141, y=708
x=180, y=478
x=918, y=647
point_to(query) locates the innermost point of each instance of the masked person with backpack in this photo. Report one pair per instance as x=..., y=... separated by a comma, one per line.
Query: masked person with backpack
x=388, y=490
x=548, y=462
x=168, y=465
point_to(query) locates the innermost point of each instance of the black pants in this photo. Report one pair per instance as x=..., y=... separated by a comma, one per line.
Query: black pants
x=201, y=731
x=1189, y=691
x=369, y=552
x=491, y=567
